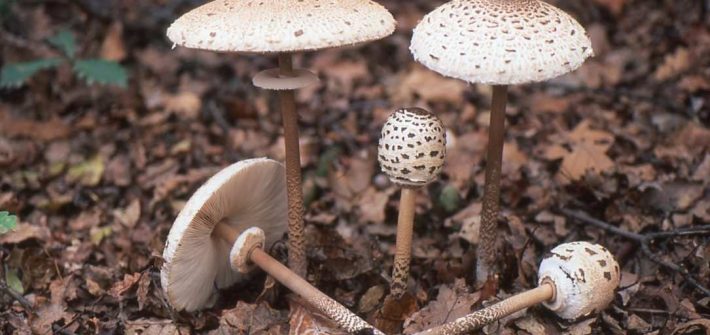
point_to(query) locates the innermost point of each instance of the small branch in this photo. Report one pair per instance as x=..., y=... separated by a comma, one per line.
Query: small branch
x=644, y=240
x=17, y=296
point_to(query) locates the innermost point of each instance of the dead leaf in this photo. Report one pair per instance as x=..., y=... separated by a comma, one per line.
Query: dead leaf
x=692, y=327
x=451, y=303
x=616, y=7
x=587, y=154
x=120, y=288
x=23, y=232
x=113, y=47
x=673, y=64
x=428, y=85
x=155, y=327
x=257, y=319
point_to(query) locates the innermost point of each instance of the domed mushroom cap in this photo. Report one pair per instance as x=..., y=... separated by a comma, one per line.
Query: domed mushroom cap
x=268, y=26
x=250, y=193
x=412, y=147
x=500, y=42
x=585, y=276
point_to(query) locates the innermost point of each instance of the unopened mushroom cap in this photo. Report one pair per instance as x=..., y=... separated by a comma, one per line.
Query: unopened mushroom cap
x=268, y=26
x=585, y=276
x=250, y=193
x=246, y=242
x=500, y=42
x=412, y=147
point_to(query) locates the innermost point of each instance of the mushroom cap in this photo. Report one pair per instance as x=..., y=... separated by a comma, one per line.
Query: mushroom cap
x=500, y=42
x=412, y=147
x=250, y=193
x=246, y=242
x=268, y=26
x=585, y=276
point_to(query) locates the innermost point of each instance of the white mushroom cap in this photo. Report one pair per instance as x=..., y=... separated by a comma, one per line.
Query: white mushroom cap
x=412, y=147
x=267, y=26
x=250, y=193
x=585, y=276
x=500, y=42
x=246, y=242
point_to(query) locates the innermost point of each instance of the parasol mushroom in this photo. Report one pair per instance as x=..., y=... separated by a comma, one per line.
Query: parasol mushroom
x=575, y=280
x=411, y=152
x=500, y=43
x=246, y=194
x=283, y=27
x=248, y=253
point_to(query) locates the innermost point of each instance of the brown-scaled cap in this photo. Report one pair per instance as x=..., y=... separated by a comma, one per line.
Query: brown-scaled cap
x=500, y=42
x=585, y=277
x=269, y=26
x=412, y=147
x=250, y=193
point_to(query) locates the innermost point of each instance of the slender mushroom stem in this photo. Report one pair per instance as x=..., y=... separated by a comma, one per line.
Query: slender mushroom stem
x=480, y=318
x=403, y=253
x=296, y=231
x=324, y=304
x=486, y=255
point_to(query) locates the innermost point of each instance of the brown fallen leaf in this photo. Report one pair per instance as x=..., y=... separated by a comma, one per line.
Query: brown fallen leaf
x=154, y=327
x=120, y=288
x=673, y=64
x=452, y=302
x=23, y=232
x=257, y=319
x=587, y=154
x=113, y=47
x=427, y=85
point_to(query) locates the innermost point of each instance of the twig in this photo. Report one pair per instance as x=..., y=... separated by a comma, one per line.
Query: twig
x=645, y=239
x=17, y=296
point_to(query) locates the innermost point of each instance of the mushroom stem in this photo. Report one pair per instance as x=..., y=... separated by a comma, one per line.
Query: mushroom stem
x=486, y=255
x=296, y=232
x=329, y=307
x=403, y=253
x=326, y=305
x=480, y=318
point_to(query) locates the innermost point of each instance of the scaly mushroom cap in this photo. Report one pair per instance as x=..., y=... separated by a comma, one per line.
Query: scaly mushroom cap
x=246, y=242
x=268, y=26
x=585, y=276
x=412, y=147
x=250, y=193
x=500, y=42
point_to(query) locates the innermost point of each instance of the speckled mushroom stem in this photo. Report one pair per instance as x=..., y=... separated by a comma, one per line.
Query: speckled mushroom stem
x=486, y=266
x=480, y=318
x=296, y=232
x=329, y=307
x=403, y=252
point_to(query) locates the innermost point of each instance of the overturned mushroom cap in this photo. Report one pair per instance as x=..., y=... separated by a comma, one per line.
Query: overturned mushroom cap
x=500, y=42
x=246, y=194
x=585, y=276
x=412, y=147
x=267, y=26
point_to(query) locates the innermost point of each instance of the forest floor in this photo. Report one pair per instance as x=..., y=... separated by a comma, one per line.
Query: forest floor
x=97, y=174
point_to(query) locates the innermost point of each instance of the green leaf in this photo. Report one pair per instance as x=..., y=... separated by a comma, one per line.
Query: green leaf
x=15, y=75
x=7, y=222
x=13, y=281
x=64, y=40
x=449, y=198
x=101, y=71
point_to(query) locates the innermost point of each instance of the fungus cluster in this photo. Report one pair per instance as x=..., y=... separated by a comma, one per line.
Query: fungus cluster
x=500, y=43
x=282, y=27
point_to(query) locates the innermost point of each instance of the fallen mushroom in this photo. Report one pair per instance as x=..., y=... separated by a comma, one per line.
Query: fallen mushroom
x=575, y=280
x=411, y=152
x=499, y=43
x=196, y=255
x=247, y=253
x=283, y=27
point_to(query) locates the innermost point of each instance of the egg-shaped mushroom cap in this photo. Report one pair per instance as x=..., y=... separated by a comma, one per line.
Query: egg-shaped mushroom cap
x=500, y=42
x=585, y=276
x=250, y=193
x=268, y=26
x=412, y=147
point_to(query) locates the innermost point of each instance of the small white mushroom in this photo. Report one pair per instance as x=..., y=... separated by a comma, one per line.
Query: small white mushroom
x=577, y=279
x=412, y=147
x=585, y=277
x=411, y=152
